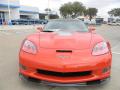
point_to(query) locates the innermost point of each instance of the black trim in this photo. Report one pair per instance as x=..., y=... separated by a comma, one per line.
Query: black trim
x=64, y=74
x=64, y=51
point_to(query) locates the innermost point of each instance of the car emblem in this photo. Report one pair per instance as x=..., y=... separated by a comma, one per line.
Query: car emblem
x=63, y=57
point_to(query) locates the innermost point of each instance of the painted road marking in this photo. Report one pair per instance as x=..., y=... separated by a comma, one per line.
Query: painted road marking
x=116, y=46
x=10, y=33
x=6, y=33
x=116, y=53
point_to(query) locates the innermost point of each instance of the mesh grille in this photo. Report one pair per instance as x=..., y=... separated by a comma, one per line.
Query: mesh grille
x=68, y=74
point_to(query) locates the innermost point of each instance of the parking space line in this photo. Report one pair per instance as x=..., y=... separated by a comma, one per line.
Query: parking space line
x=116, y=53
x=10, y=33
x=5, y=33
x=118, y=44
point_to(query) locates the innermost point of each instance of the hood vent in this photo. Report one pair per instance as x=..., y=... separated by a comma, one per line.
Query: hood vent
x=64, y=51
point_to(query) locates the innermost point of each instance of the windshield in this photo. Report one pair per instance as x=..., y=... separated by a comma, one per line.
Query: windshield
x=66, y=25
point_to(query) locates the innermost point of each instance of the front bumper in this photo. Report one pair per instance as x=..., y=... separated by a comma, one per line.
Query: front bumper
x=65, y=80
x=99, y=66
x=42, y=82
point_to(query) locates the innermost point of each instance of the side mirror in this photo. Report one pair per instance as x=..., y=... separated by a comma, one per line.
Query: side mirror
x=40, y=29
x=91, y=28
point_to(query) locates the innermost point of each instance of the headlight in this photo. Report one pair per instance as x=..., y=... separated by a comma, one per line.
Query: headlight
x=29, y=47
x=100, y=48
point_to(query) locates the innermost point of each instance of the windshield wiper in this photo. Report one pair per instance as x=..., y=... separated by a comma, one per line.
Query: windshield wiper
x=51, y=30
x=47, y=31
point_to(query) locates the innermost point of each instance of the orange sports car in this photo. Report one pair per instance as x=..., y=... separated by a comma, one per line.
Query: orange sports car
x=65, y=52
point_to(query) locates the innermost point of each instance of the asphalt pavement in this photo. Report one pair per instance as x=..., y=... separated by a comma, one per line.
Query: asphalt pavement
x=10, y=42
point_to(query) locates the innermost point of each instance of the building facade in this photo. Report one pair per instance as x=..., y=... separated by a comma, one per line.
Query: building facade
x=27, y=12
x=12, y=10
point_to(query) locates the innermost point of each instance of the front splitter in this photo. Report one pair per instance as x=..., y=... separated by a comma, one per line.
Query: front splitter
x=89, y=83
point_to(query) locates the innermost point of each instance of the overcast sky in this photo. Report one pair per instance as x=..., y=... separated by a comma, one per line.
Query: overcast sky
x=103, y=5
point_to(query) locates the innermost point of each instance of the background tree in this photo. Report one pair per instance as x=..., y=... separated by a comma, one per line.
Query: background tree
x=66, y=10
x=47, y=10
x=114, y=12
x=72, y=10
x=77, y=9
x=85, y=12
x=63, y=11
x=91, y=12
x=54, y=16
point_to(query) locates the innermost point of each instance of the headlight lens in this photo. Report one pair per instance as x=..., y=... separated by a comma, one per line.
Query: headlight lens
x=100, y=48
x=29, y=47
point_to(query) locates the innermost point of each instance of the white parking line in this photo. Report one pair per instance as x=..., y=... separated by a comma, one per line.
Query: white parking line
x=10, y=33
x=118, y=44
x=5, y=33
x=114, y=49
x=116, y=53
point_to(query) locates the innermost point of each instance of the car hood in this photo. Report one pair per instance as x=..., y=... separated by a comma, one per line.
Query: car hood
x=65, y=40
